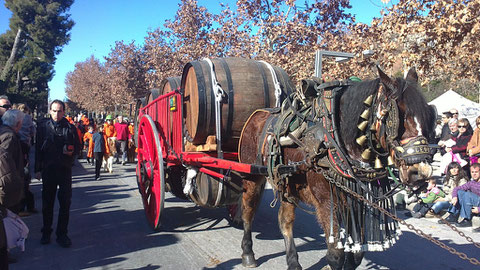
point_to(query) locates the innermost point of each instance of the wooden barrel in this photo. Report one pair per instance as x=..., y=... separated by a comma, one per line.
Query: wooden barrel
x=152, y=95
x=249, y=86
x=170, y=84
x=206, y=191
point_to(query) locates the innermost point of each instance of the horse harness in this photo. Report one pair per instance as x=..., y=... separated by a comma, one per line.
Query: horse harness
x=317, y=120
x=310, y=121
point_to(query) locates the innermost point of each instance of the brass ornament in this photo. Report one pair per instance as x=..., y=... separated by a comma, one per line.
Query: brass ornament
x=378, y=163
x=366, y=154
x=390, y=161
x=363, y=125
x=368, y=101
x=361, y=140
x=365, y=114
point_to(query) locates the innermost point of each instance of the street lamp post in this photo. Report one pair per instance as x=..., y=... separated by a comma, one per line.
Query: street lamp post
x=340, y=57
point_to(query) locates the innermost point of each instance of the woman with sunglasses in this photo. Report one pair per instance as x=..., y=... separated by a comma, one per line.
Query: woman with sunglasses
x=465, y=132
x=473, y=147
x=461, y=140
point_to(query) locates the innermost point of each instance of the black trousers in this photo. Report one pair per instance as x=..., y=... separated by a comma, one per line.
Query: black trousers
x=98, y=163
x=53, y=177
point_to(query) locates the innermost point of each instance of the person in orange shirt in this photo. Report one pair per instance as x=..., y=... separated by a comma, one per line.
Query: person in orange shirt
x=87, y=138
x=131, y=145
x=109, y=128
x=131, y=129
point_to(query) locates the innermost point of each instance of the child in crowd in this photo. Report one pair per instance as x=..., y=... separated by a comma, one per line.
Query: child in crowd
x=99, y=149
x=87, y=139
x=428, y=199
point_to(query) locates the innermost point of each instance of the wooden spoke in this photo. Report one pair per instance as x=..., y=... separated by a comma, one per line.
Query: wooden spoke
x=150, y=170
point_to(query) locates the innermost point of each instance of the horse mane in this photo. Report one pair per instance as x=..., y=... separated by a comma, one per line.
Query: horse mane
x=417, y=106
x=351, y=106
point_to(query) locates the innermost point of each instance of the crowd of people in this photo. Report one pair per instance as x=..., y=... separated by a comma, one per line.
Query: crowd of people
x=58, y=140
x=459, y=193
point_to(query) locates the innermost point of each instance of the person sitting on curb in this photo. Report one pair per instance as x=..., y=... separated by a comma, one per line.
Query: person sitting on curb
x=455, y=177
x=465, y=200
x=428, y=199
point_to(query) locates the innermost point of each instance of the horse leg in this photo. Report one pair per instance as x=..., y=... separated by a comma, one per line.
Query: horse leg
x=335, y=257
x=353, y=260
x=251, y=199
x=286, y=217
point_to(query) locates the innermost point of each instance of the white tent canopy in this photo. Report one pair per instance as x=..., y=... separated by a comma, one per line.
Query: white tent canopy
x=466, y=108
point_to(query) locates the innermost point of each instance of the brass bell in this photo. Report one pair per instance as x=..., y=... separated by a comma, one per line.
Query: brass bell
x=368, y=100
x=363, y=125
x=373, y=127
x=365, y=114
x=378, y=164
x=366, y=154
x=361, y=140
x=390, y=161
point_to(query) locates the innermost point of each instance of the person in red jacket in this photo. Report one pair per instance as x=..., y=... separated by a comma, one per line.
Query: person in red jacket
x=122, y=138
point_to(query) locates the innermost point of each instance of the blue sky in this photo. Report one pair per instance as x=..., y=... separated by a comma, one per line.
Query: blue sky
x=99, y=23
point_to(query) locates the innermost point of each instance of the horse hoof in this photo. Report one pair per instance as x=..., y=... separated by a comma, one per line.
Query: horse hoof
x=249, y=261
x=296, y=267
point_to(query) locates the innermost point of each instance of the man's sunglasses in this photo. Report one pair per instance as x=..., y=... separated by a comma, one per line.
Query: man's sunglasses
x=6, y=106
x=462, y=126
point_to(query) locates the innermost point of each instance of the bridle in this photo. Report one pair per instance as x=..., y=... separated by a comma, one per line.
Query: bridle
x=385, y=123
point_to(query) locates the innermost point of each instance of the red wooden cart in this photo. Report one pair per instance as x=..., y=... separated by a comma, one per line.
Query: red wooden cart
x=161, y=148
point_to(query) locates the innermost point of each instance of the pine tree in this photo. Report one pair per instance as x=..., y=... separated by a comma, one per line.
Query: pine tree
x=38, y=31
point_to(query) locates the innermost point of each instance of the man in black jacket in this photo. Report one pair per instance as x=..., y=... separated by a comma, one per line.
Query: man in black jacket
x=57, y=145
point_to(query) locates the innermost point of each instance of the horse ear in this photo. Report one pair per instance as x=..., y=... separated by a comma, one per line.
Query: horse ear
x=390, y=85
x=411, y=75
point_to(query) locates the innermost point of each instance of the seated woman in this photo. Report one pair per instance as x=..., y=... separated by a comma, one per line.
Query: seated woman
x=465, y=132
x=456, y=147
x=455, y=177
x=473, y=147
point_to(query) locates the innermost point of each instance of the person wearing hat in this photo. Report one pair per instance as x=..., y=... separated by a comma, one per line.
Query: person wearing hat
x=109, y=128
x=454, y=113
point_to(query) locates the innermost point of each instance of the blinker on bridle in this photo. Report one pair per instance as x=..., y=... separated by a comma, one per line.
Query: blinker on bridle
x=385, y=119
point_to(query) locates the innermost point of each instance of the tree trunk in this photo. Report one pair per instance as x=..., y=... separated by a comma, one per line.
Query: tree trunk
x=13, y=56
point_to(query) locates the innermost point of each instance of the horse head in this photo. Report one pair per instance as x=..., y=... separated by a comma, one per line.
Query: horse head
x=395, y=123
x=408, y=146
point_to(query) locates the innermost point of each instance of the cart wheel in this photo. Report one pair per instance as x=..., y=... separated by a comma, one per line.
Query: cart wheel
x=150, y=171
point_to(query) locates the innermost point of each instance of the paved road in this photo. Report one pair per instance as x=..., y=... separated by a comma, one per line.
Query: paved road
x=109, y=231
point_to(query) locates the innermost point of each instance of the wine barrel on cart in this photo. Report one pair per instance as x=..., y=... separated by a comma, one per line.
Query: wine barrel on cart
x=248, y=84
x=208, y=190
x=170, y=84
x=152, y=95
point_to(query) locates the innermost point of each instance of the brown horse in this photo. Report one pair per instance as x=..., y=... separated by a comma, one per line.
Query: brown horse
x=338, y=137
